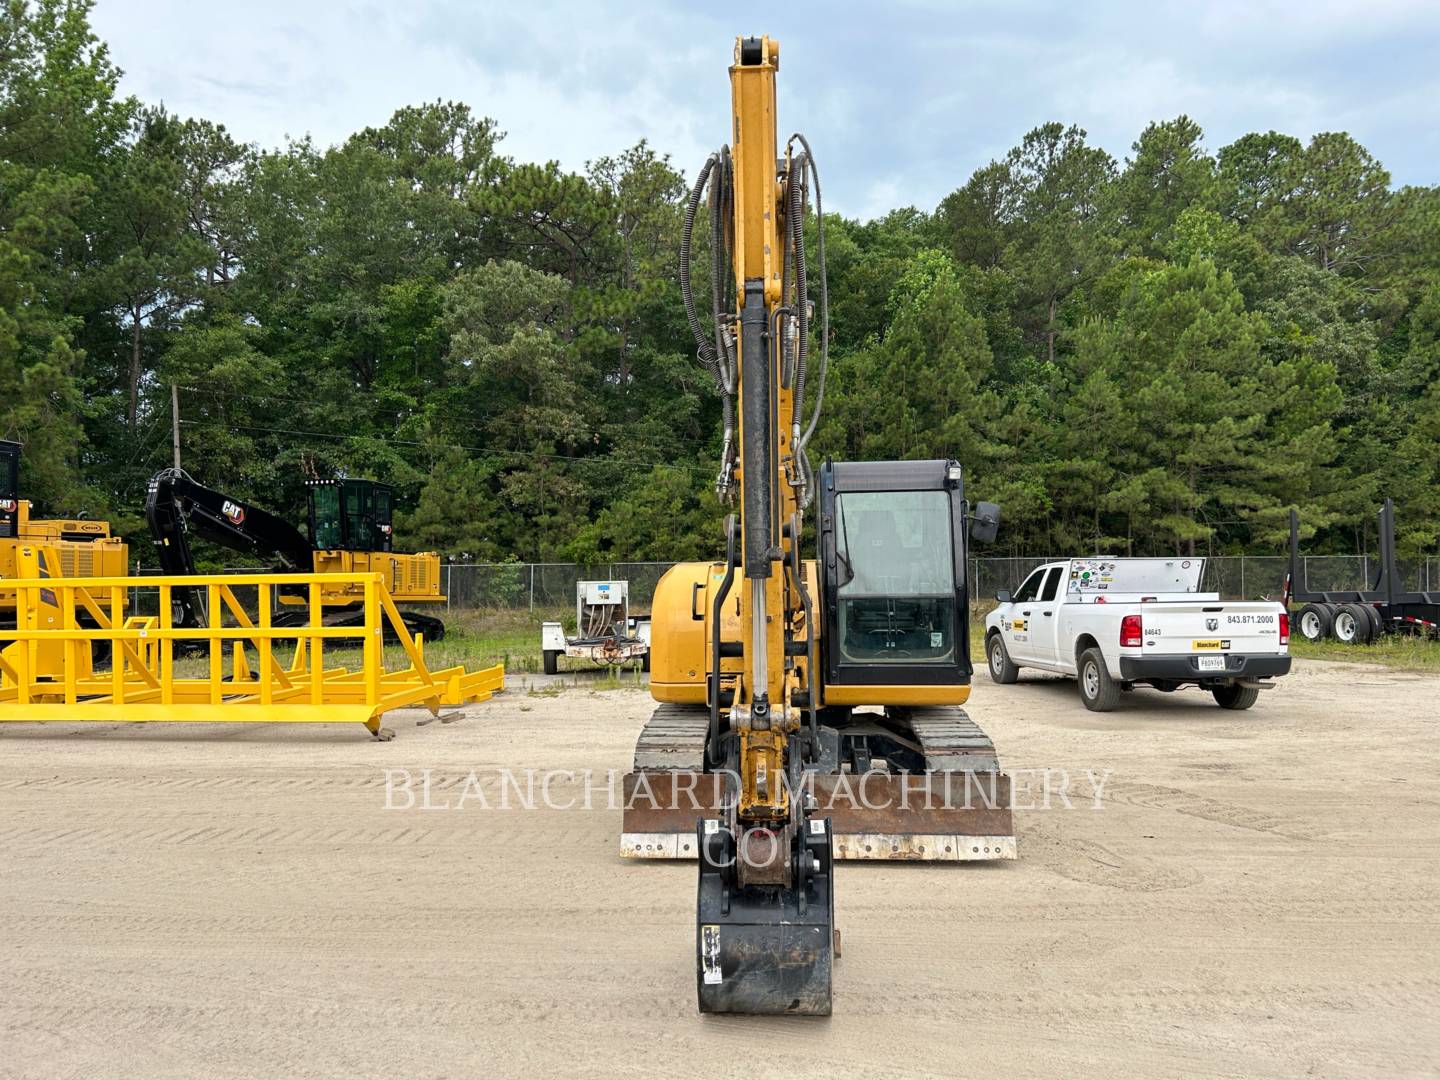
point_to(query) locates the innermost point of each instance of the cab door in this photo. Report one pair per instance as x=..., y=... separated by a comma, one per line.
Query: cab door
x=1016, y=624
x=1044, y=617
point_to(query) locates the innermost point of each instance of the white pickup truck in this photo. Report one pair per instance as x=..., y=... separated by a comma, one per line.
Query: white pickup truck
x=1114, y=623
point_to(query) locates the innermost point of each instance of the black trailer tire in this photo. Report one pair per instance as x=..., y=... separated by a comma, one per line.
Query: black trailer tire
x=1377, y=624
x=1098, y=691
x=1002, y=668
x=645, y=660
x=552, y=661
x=1314, y=622
x=1235, y=696
x=1352, y=625
x=1365, y=623
x=1334, y=610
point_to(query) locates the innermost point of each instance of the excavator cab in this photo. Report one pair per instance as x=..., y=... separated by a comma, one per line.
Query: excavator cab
x=893, y=553
x=351, y=515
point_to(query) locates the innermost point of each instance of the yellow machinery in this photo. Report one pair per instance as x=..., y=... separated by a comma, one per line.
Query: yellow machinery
x=350, y=533
x=810, y=709
x=72, y=548
x=46, y=672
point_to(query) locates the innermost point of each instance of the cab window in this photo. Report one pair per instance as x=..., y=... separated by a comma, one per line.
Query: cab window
x=1052, y=585
x=1031, y=588
x=896, y=597
x=326, y=501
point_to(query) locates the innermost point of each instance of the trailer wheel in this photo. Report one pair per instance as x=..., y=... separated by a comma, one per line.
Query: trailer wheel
x=645, y=660
x=1235, y=696
x=1377, y=624
x=1002, y=668
x=1315, y=621
x=1098, y=691
x=1352, y=625
x=552, y=661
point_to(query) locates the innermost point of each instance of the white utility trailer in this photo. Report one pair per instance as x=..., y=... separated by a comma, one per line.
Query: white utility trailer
x=605, y=631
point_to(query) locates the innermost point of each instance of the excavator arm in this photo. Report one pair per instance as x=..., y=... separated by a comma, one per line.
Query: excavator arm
x=765, y=919
x=178, y=506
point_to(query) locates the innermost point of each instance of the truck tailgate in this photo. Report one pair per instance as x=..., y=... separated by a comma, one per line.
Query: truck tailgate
x=1211, y=627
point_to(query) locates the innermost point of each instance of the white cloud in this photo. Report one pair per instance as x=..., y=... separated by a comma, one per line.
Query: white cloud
x=900, y=110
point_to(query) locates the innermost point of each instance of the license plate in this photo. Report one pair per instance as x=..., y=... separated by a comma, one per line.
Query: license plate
x=1212, y=663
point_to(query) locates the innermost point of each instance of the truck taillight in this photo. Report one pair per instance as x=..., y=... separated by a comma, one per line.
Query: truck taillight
x=1132, y=632
x=1284, y=629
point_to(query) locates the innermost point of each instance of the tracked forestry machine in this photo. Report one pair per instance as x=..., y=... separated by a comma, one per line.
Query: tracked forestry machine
x=350, y=533
x=809, y=708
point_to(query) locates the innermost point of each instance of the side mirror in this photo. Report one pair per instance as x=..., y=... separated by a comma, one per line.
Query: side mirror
x=1003, y=596
x=984, y=522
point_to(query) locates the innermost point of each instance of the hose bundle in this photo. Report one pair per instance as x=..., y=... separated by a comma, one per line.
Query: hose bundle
x=715, y=348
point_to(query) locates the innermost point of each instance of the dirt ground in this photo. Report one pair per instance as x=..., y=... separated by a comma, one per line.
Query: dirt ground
x=1260, y=896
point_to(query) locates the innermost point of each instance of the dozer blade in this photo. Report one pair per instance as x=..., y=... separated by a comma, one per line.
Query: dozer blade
x=763, y=949
x=957, y=812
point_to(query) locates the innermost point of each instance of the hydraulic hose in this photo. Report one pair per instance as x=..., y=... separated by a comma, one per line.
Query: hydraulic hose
x=814, y=172
x=795, y=225
x=717, y=353
x=703, y=346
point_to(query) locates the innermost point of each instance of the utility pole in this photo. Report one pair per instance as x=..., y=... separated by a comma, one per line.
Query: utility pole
x=175, y=421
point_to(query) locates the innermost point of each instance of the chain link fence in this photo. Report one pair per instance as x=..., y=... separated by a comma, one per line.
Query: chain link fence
x=551, y=586
x=546, y=586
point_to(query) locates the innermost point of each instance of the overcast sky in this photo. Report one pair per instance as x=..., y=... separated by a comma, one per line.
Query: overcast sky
x=901, y=101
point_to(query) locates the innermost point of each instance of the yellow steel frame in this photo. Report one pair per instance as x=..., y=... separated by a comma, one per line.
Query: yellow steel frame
x=46, y=672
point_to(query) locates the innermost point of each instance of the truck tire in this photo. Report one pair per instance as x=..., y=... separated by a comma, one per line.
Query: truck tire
x=1352, y=625
x=645, y=660
x=1098, y=691
x=552, y=661
x=1314, y=622
x=1002, y=668
x=1235, y=696
x=1377, y=625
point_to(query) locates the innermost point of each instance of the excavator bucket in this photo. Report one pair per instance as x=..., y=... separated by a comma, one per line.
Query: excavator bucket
x=951, y=805
x=764, y=949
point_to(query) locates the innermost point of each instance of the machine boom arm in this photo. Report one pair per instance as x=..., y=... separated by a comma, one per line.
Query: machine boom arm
x=176, y=505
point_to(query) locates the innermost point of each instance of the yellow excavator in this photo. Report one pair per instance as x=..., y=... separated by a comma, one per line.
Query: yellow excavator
x=809, y=708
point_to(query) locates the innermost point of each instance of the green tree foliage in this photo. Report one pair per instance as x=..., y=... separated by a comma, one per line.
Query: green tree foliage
x=1161, y=355
x=59, y=124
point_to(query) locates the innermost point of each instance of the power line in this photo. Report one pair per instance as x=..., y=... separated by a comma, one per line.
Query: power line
x=476, y=450
x=465, y=421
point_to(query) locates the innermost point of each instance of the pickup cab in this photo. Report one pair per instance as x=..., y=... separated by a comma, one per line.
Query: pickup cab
x=1118, y=623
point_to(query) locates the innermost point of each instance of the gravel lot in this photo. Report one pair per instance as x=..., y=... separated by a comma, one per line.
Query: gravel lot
x=1259, y=896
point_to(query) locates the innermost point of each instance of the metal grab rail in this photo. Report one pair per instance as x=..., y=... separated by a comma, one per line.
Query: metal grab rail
x=47, y=671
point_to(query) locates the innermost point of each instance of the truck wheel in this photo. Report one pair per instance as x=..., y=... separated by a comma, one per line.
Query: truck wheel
x=1377, y=626
x=1235, y=696
x=1314, y=622
x=1002, y=668
x=552, y=661
x=645, y=660
x=1352, y=625
x=1098, y=691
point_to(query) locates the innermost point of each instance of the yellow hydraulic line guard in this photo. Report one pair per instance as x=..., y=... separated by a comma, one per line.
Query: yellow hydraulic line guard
x=46, y=671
